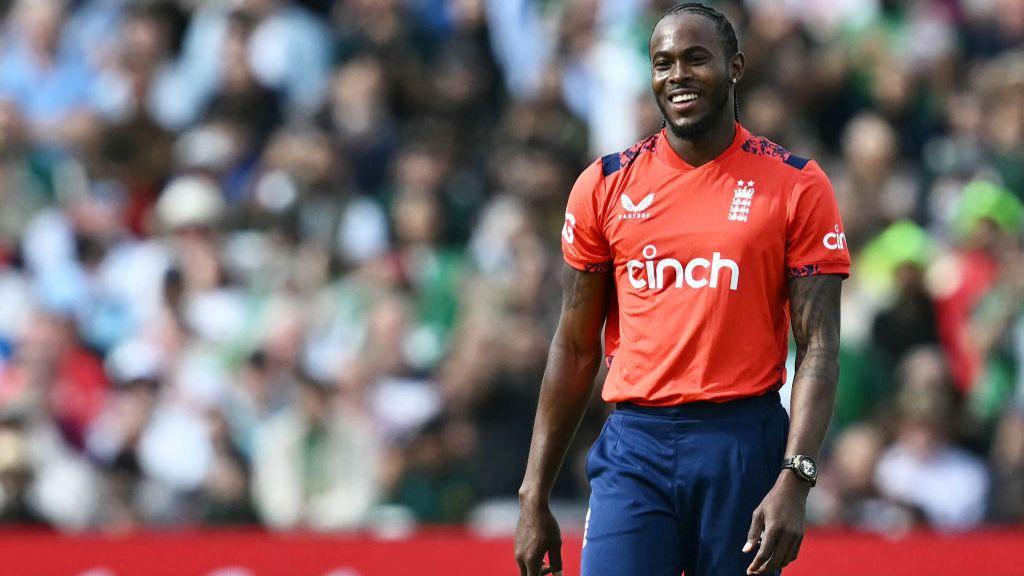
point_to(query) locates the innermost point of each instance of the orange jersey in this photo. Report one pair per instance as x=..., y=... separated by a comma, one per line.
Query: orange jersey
x=701, y=260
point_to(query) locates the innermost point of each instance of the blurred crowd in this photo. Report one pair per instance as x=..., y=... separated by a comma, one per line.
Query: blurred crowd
x=296, y=263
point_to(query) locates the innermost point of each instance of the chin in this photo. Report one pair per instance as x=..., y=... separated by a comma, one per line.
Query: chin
x=691, y=130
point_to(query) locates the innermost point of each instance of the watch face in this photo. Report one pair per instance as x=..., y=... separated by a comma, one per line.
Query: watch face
x=807, y=468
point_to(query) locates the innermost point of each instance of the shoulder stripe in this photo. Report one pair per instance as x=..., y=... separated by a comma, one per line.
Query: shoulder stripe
x=797, y=162
x=761, y=146
x=610, y=164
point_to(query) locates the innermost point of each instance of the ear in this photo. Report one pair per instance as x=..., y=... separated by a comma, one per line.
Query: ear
x=737, y=65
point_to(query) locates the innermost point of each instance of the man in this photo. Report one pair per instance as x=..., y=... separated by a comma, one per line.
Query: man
x=696, y=245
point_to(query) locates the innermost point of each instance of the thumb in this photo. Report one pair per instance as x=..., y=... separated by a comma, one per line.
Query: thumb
x=756, y=528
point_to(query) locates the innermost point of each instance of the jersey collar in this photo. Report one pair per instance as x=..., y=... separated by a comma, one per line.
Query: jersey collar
x=669, y=157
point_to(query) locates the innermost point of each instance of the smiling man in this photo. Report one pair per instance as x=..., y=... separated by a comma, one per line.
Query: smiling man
x=694, y=250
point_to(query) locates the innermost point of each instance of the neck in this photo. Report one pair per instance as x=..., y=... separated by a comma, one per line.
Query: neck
x=707, y=147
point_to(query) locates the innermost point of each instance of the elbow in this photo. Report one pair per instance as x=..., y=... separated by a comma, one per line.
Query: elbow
x=579, y=352
x=819, y=363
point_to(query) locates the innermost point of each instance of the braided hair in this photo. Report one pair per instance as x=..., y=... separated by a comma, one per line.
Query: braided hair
x=723, y=27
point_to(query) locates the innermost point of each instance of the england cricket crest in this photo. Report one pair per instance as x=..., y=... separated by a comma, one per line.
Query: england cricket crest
x=742, y=197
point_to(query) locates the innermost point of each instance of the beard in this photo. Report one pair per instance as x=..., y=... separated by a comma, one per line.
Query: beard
x=719, y=98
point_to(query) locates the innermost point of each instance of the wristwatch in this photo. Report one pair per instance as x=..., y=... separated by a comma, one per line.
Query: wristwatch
x=803, y=466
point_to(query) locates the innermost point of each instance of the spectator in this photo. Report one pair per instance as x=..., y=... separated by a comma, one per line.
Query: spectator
x=875, y=189
x=50, y=84
x=313, y=466
x=908, y=321
x=923, y=470
x=987, y=219
x=1008, y=467
x=433, y=477
x=288, y=50
x=26, y=182
x=15, y=476
x=849, y=495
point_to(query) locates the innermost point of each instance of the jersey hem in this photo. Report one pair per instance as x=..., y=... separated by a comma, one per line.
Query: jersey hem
x=585, y=266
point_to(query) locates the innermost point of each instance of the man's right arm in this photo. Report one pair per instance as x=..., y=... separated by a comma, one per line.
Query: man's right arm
x=573, y=361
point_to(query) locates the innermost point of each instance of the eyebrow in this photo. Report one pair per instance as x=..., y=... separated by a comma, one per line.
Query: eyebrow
x=689, y=51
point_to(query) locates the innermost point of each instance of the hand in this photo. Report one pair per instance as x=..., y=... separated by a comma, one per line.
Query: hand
x=537, y=534
x=778, y=524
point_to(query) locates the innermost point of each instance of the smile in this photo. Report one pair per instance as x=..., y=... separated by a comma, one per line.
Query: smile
x=683, y=97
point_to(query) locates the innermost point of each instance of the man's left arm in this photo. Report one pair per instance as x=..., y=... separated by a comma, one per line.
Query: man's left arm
x=779, y=521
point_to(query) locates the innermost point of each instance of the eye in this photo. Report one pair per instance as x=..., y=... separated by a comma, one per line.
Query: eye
x=698, y=60
x=662, y=65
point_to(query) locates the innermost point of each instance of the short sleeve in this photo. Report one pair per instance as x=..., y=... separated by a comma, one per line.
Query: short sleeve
x=583, y=240
x=815, y=239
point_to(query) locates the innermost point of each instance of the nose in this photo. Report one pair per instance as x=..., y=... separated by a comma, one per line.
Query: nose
x=678, y=73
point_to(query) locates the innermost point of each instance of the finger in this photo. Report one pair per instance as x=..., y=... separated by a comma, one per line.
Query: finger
x=763, y=553
x=524, y=567
x=756, y=528
x=530, y=564
x=780, y=545
x=555, y=558
x=794, y=550
x=783, y=556
x=781, y=552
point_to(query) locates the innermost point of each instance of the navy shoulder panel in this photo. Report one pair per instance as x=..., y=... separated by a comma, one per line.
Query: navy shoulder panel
x=761, y=146
x=797, y=162
x=612, y=163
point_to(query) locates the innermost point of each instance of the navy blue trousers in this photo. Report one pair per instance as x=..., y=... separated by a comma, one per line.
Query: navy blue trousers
x=673, y=489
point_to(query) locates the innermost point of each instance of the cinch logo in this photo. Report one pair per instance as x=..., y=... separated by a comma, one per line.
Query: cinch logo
x=697, y=273
x=835, y=240
x=635, y=211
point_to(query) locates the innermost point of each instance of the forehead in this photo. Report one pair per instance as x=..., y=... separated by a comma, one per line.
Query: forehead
x=679, y=32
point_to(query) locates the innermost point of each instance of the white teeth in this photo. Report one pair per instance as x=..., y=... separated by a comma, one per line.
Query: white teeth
x=688, y=97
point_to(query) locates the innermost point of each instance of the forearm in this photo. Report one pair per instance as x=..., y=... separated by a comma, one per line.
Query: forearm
x=777, y=526
x=812, y=400
x=565, y=392
x=815, y=309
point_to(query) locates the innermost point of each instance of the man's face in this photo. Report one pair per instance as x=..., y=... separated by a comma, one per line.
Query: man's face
x=690, y=74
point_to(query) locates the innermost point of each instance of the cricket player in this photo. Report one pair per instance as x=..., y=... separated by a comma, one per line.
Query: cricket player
x=695, y=250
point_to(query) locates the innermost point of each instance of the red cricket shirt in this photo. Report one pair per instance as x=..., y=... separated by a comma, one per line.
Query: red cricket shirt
x=701, y=260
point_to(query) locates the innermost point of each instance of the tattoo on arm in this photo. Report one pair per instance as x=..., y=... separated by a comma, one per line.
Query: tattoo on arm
x=578, y=287
x=814, y=305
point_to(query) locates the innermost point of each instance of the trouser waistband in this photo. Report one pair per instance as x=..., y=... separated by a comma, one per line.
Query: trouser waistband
x=751, y=406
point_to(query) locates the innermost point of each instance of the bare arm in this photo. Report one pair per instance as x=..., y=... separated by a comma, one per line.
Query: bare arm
x=573, y=362
x=778, y=521
x=814, y=304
